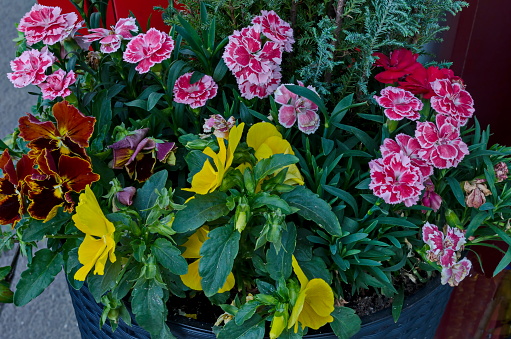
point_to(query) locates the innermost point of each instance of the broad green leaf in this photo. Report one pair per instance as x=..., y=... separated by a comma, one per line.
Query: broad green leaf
x=39, y=275
x=264, y=199
x=37, y=229
x=6, y=295
x=346, y=323
x=218, y=253
x=146, y=196
x=312, y=207
x=309, y=94
x=246, y=311
x=251, y=329
x=456, y=190
x=344, y=196
x=397, y=304
x=100, y=284
x=280, y=261
x=199, y=210
x=315, y=268
x=148, y=306
x=4, y=271
x=169, y=256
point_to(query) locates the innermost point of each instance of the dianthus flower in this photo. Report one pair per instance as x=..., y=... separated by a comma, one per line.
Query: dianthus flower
x=419, y=82
x=400, y=63
x=219, y=125
x=452, y=100
x=275, y=29
x=30, y=67
x=110, y=39
x=297, y=108
x=57, y=84
x=195, y=94
x=411, y=148
x=148, y=49
x=46, y=24
x=399, y=103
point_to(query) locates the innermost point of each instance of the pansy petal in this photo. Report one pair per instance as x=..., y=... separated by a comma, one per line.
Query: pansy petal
x=89, y=218
x=88, y=253
x=194, y=243
x=72, y=123
x=31, y=128
x=192, y=279
x=259, y=132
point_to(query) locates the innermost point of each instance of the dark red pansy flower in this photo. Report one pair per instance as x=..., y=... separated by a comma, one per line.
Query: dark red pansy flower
x=12, y=187
x=400, y=63
x=51, y=187
x=70, y=135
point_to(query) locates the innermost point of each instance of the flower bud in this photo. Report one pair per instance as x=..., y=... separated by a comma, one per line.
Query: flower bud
x=278, y=324
x=125, y=196
x=452, y=219
x=477, y=192
x=501, y=171
x=242, y=214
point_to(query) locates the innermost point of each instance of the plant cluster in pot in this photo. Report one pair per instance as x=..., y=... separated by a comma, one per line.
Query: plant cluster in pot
x=274, y=162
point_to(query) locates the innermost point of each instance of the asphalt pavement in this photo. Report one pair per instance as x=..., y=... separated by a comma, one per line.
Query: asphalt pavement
x=50, y=315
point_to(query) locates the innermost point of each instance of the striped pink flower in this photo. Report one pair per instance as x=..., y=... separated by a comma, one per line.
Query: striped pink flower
x=411, y=148
x=452, y=100
x=110, y=39
x=30, y=67
x=148, y=49
x=57, y=84
x=195, y=94
x=275, y=29
x=399, y=103
x=47, y=24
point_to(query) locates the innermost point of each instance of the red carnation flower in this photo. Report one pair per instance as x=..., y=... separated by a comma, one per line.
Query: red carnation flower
x=401, y=62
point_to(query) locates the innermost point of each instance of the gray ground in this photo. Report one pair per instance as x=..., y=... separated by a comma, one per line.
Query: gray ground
x=51, y=315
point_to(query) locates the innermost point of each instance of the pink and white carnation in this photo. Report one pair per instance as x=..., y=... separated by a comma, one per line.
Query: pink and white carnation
x=411, y=148
x=455, y=274
x=443, y=248
x=399, y=103
x=261, y=90
x=219, y=125
x=395, y=179
x=57, y=84
x=452, y=100
x=275, y=29
x=110, y=39
x=195, y=94
x=255, y=66
x=30, y=67
x=148, y=49
x=297, y=108
x=47, y=24
x=442, y=142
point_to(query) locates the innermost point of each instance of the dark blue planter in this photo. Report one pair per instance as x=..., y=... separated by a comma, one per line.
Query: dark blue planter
x=419, y=319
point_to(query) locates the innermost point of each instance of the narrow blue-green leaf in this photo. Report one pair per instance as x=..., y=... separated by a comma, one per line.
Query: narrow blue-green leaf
x=137, y=103
x=341, y=109
x=361, y=135
x=372, y=117
x=396, y=222
x=504, y=262
x=456, y=190
x=397, y=304
x=344, y=196
x=353, y=238
x=153, y=99
x=309, y=94
x=220, y=71
x=45, y=265
x=475, y=222
x=201, y=209
x=218, y=254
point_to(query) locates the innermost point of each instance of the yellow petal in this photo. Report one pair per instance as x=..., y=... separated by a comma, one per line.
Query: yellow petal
x=320, y=297
x=297, y=309
x=263, y=152
x=194, y=243
x=259, y=132
x=279, y=145
x=205, y=180
x=299, y=274
x=229, y=283
x=235, y=134
x=88, y=253
x=293, y=176
x=278, y=324
x=192, y=279
x=89, y=218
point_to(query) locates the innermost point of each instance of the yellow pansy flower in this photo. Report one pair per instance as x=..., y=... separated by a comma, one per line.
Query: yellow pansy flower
x=210, y=178
x=266, y=140
x=192, y=279
x=99, y=243
x=314, y=303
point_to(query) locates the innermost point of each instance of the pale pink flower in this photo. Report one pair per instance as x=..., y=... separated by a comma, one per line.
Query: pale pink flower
x=452, y=100
x=219, y=125
x=442, y=142
x=443, y=248
x=501, y=171
x=46, y=24
x=148, y=49
x=110, y=39
x=410, y=147
x=275, y=29
x=195, y=94
x=399, y=103
x=477, y=191
x=30, y=67
x=430, y=197
x=395, y=179
x=456, y=273
x=57, y=84
x=297, y=108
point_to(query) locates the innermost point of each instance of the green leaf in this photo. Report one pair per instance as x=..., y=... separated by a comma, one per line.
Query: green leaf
x=146, y=196
x=264, y=199
x=6, y=295
x=475, y=222
x=169, y=256
x=4, y=271
x=100, y=284
x=341, y=109
x=309, y=94
x=148, y=307
x=456, y=190
x=281, y=261
x=503, y=263
x=276, y=162
x=137, y=103
x=346, y=323
x=361, y=135
x=246, y=311
x=250, y=329
x=396, y=222
x=218, y=253
x=220, y=71
x=37, y=229
x=312, y=207
x=344, y=196
x=153, y=99
x=397, y=304
x=372, y=117
x=199, y=210
x=39, y=275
